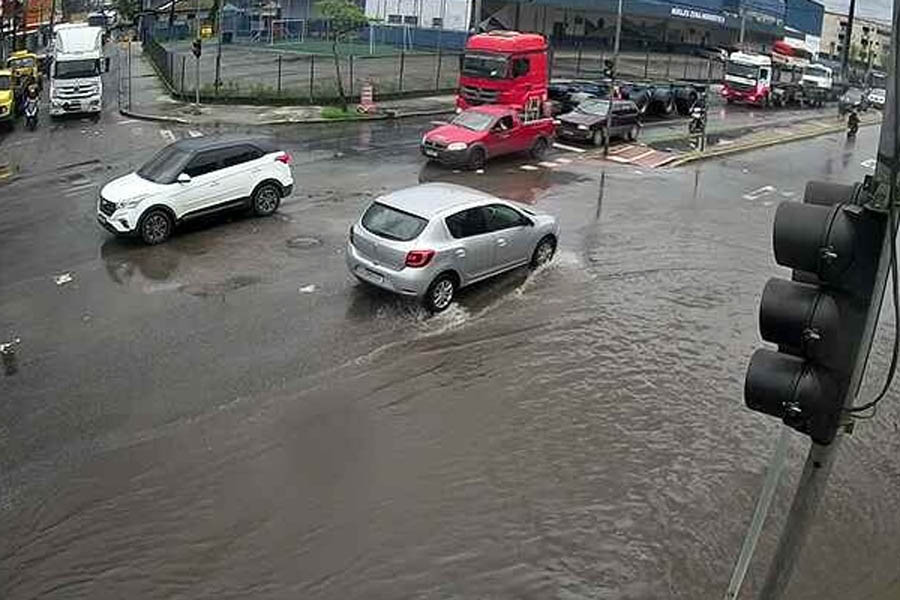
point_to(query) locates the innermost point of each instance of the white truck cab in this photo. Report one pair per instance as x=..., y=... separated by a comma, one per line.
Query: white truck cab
x=748, y=77
x=77, y=63
x=818, y=76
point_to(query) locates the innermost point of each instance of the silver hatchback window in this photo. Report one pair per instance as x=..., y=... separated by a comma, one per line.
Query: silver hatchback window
x=393, y=224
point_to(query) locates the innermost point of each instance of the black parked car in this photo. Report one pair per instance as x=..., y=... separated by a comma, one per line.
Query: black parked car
x=566, y=94
x=853, y=98
x=588, y=121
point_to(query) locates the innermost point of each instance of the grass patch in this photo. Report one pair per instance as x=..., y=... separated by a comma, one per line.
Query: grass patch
x=335, y=112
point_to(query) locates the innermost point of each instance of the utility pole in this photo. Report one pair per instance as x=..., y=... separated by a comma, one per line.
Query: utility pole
x=848, y=40
x=218, y=80
x=612, y=85
x=743, y=28
x=879, y=195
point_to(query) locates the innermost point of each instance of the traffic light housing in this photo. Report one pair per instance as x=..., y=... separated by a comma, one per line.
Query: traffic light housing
x=196, y=48
x=833, y=243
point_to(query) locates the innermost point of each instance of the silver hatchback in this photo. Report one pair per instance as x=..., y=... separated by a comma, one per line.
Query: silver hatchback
x=430, y=240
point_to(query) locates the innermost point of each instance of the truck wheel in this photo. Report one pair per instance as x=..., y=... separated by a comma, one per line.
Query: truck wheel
x=598, y=137
x=669, y=106
x=476, y=158
x=539, y=149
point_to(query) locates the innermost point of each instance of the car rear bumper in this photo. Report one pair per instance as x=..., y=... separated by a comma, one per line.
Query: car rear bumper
x=407, y=282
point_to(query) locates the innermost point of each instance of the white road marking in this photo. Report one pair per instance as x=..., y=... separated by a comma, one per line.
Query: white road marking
x=547, y=164
x=569, y=148
x=167, y=135
x=759, y=193
x=63, y=279
x=194, y=133
x=618, y=159
x=307, y=289
x=528, y=168
x=869, y=163
x=563, y=161
x=643, y=154
x=127, y=121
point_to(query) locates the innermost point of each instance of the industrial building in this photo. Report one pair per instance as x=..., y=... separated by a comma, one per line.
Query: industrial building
x=869, y=41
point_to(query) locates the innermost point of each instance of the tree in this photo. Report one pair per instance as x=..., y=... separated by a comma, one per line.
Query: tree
x=344, y=17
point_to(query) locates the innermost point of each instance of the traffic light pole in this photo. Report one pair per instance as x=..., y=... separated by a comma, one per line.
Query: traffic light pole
x=615, y=72
x=820, y=459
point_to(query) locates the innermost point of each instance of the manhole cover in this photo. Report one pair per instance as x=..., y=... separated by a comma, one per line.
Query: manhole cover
x=303, y=242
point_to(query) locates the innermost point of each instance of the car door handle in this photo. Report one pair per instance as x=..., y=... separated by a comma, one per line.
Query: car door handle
x=460, y=252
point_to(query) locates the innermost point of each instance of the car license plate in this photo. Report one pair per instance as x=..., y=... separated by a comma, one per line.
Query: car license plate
x=373, y=276
x=431, y=153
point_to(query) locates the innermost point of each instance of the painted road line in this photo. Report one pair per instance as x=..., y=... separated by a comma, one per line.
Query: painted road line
x=563, y=161
x=528, y=168
x=568, y=148
x=618, y=159
x=643, y=154
x=167, y=135
x=127, y=121
x=547, y=164
x=194, y=133
x=759, y=193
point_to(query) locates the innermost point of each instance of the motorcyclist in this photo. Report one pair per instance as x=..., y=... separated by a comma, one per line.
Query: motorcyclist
x=852, y=122
x=32, y=91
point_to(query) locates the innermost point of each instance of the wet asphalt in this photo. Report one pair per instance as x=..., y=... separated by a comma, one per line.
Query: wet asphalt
x=230, y=415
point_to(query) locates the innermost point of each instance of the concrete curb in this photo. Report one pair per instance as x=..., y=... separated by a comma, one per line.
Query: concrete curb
x=698, y=156
x=157, y=118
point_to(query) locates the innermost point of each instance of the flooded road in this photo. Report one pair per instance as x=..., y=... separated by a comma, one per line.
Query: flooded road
x=212, y=431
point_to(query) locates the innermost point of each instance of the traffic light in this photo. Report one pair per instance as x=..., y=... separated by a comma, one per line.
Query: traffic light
x=196, y=47
x=833, y=242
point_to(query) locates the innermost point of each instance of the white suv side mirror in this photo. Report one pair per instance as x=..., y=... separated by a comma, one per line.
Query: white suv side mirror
x=184, y=178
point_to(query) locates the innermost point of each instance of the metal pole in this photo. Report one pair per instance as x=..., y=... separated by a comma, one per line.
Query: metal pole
x=615, y=72
x=218, y=81
x=351, y=75
x=437, y=74
x=183, y=65
x=279, y=74
x=312, y=74
x=197, y=88
x=773, y=475
x=577, y=59
x=820, y=459
x=743, y=29
x=848, y=40
x=646, y=60
x=402, y=60
x=129, y=73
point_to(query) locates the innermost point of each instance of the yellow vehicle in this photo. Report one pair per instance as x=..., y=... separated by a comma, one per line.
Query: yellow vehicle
x=7, y=102
x=24, y=64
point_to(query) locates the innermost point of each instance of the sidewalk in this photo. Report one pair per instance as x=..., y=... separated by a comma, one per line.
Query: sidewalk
x=150, y=99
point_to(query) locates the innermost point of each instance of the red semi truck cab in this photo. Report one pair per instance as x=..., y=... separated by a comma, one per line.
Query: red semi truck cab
x=504, y=67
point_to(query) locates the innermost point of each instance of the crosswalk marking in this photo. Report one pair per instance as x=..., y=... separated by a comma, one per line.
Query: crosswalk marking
x=167, y=135
x=528, y=168
x=547, y=164
x=643, y=154
x=619, y=159
x=127, y=121
x=569, y=148
x=563, y=161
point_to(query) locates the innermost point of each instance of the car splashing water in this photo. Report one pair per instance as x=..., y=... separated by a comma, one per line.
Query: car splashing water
x=577, y=432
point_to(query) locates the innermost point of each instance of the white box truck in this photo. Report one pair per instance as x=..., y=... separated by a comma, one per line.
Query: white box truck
x=77, y=63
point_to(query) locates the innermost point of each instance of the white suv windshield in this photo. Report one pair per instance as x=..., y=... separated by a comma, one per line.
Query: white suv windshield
x=165, y=166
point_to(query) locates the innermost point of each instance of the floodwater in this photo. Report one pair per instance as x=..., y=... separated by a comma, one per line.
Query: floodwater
x=574, y=433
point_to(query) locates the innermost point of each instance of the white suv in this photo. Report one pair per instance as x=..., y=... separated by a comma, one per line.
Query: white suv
x=192, y=178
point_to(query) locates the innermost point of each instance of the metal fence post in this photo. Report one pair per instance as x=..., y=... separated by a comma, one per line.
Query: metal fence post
x=279, y=74
x=437, y=70
x=668, y=66
x=687, y=60
x=351, y=75
x=312, y=74
x=646, y=61
x=183, y=61
x=708, y=70
x=402, y=61
x=577, y=60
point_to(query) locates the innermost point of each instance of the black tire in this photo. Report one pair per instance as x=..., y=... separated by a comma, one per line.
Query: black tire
x=598, y=138
x=266, y=199
x=543, y=252
x=477, y=158
x=155, y=227
x=539, y=149
x=440, y=293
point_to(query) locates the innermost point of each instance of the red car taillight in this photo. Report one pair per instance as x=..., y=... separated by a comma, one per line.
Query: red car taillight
x=284, y=157
x=419, y=258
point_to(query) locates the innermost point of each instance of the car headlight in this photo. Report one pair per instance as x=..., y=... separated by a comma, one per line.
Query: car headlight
x=583, y=127
x=457, y=146
x=131, y=203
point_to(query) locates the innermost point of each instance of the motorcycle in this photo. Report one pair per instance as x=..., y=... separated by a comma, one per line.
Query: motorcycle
x=31, y=113
x=852, y=124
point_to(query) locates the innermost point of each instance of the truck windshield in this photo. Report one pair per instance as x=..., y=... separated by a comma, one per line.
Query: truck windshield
x=4, y=83
x=739, y=70
x=474, y=120
x=72, y=69
x=165, y=166
x=21, y=63
x=594, y=107
x=485, y=65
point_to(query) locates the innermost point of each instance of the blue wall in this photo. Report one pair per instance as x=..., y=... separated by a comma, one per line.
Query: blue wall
x=805, y=16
